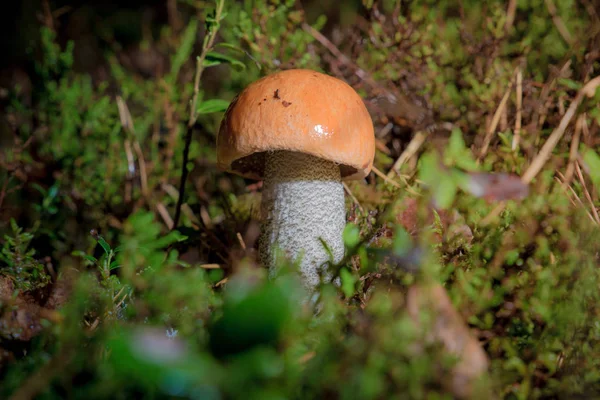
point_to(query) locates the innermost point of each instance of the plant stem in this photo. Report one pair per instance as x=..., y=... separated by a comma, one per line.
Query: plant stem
x=207, y=45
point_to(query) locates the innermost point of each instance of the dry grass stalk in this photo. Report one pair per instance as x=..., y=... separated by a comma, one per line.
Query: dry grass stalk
x=510, y=14
x=354, y=199
x=412, y=148
x=561, y=179
x=129, y=128
x=538, y=163
x=164, y=214
x=210, y=266
x=558, y=22
x=494, y=124
x=574, y=150
x=586, y=192
x=517, y=136
x=540, y=160
x=241, y=240
x=385, y=178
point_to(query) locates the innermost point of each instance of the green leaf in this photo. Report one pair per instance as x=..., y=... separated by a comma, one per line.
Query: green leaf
x=327, y=249
x=90, y=258
x=439, y=181
x=348, y=281
x=429, y=169
x=214, y=58
x=169, y=239
x=240, y=50
x=230, y=46
x=211, y=106
x=402, y=241
x=78, y=253
x=104, y=245
x=458, y=154
x=114, y=265
x=591, y=160
x=571, y=84
x=185, y=50
x=444, y=193
x=351, y=235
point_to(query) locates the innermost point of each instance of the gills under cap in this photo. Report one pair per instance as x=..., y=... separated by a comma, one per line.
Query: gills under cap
x=297, y=110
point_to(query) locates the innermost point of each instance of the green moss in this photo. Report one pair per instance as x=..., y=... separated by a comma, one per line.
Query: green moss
x=161, y=313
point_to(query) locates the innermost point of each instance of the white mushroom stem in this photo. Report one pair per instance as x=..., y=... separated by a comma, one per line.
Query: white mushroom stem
x=303, y=202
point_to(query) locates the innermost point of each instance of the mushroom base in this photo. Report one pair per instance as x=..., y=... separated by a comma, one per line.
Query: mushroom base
x=303, y=203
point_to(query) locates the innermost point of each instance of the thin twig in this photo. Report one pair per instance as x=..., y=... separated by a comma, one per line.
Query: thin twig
x=592, y=12
x=510, y=14
x=307, y=357
x=412, y=148
x=210, y=266
x=209, y=40
x=385, y=178
x=222, y=282
x=574, y=150
x=541, y=109
x=354, y=199
x=504, y=120
x=116, y=296
x=130, y=171
x=379, y=145
x=337, y=53
x=385, y=130
x=185, y=208
x=558, y=22
x=392, y=182
x=492, y=128
x=493, y=214
x=587, y=193
x=142, y=163
x=241, y=240
x=561, y=104
x=566, y=186
x=164, y=213
x=205, y=217
x=48, y=17
x=129, y=128
x=173, y=15
x=585, y=129
x=517, y=136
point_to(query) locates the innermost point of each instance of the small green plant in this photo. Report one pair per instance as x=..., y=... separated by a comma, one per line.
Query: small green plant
x=107, y=262
x=18, y=263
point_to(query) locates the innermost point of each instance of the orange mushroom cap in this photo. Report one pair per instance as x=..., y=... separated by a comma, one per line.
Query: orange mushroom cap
x=297, y=110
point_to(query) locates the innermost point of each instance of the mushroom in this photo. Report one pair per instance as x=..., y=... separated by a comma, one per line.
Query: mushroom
x=302, y=132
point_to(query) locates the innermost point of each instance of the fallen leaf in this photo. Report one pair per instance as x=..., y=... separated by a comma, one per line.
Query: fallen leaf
x=496, y=186
x=449, y=329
